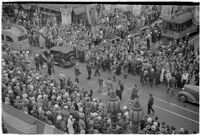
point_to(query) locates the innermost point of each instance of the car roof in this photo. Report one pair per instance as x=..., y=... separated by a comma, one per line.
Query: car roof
x=192, y=88
x=62, y=49
x=15, y=30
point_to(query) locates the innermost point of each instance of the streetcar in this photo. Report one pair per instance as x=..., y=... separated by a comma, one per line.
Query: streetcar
x=179, y=26
x=16, y=36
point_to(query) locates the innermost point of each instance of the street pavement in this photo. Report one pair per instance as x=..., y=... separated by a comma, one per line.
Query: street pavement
x=167, y=107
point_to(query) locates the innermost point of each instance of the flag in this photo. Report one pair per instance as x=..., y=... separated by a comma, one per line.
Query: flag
x=66, y=15
x=137, y=10
x=166, y=12
x=18, y=122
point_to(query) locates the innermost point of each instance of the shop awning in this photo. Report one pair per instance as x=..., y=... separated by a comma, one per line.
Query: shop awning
x=181, y=18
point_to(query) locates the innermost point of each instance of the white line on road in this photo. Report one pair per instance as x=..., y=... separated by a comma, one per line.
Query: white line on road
x=140, y=92
x=161, y=108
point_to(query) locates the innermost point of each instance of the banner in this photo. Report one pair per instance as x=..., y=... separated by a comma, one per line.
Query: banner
x=18, y=122
x=137, y=10
x=66, y=15
x=166, y=12
x=196, y=15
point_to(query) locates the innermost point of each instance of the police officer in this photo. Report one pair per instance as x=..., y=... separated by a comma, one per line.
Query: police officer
x=150, y=104
x=77, y=73
x=172, y=84
x=89, y=69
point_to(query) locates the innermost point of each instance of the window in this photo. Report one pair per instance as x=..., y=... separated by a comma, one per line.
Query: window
x=9, y=39
x=20, y=38
x=174, y=27
x=2, y=36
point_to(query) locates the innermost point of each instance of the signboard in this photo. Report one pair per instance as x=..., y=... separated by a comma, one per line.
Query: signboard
x=137, y=9
x=66, y=15
x=196, y=15
x=166, y=12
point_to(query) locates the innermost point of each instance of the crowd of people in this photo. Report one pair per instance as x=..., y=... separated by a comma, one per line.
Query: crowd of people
x=75, y=110
x=65, y=106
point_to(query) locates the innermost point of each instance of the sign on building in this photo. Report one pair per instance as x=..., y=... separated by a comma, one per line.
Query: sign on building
x=66, y=15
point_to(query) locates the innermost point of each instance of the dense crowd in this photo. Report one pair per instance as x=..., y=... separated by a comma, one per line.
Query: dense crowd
x=75, y=110
x=70, y=109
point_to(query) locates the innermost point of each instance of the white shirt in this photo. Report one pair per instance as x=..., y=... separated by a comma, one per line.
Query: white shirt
x=185, y=77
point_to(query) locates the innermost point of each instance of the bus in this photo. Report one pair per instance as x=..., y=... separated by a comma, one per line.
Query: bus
x=178, y=26
x=15, y=36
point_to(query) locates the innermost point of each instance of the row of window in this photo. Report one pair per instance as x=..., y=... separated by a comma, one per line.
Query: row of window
x=177, y=27
x=9, y=39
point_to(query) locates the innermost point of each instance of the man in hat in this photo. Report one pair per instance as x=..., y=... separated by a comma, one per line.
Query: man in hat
x=150, y=104
x=89, y=70
x=77, y=73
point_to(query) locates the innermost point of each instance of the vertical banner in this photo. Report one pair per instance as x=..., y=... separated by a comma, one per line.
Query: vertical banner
x=137, y=10
x=166, y=12
x=91, y=14
x=66, y=15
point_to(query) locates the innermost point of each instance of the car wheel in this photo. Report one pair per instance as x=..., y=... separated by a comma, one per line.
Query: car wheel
x=182, y=98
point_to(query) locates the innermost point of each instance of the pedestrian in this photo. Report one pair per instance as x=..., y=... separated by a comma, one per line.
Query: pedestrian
x=62, y=80
x=150, y=104
x=89, y=70
x=100, y=82
x=120, y=89
x=77, y=73
x=109, y=85
x=37, y=61
x=172, y=85
x=97, y=67
x=134, y=93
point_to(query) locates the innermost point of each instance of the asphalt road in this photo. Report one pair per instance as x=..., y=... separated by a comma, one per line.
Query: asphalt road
x=168, y=108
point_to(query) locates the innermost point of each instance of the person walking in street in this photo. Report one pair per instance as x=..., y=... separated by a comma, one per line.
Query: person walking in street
x=120, y=89
x=150, y=104
x=97, y=67
x=89, y=70
x=77, y=73
x=100, y=82
x=134, y=93
x=62, y=80
x=37, y=62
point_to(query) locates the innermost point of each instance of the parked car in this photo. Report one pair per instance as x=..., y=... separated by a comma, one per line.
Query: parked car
x=189, y=93
x=63, y=56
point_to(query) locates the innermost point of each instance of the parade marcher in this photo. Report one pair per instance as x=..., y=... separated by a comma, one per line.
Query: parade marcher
x=120, y=89
x=134, y=93
x=37, y=62
x=89, y=70
x=62, y=80
x=150, y=104
x=109, y=85
x=77, y=73
x=97, y=67
x=100, y=83
x=172, y=85
x=151, y=77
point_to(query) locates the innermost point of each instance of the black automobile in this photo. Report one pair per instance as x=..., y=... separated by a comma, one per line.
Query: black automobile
x=63, y=56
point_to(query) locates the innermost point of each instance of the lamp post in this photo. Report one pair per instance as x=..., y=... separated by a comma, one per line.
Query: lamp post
x=135, y=115
x=113, y=107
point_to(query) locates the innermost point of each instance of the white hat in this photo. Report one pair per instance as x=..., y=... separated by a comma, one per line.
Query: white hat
x=155, y=124
x=153, y=128
x=10, y=91
x=39, y=97
x=99, y=118
x=66, y=107
x=149, y=120
x=24, y=95
x=59, y=117
x=124, y=107
x=56, y=106
x=59, y=98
